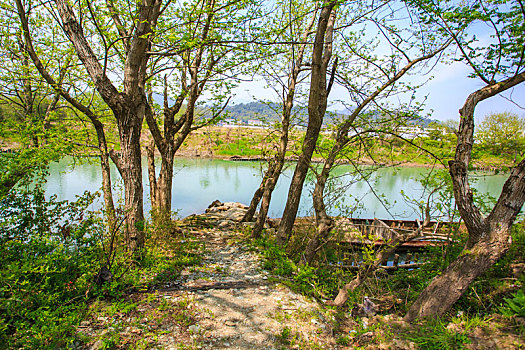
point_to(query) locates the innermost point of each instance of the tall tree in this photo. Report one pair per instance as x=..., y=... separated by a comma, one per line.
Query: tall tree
x=384, y=77
x=219, y=46
x=500, y=66
x=317, y=103
x=126, y=52
x=298, y=33
x=79, y=100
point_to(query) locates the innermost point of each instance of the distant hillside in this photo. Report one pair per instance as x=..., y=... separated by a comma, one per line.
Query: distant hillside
x=254, y=111
x=270, y=111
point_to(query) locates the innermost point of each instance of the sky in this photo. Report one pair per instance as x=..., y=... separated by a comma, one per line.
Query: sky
x=445, y=94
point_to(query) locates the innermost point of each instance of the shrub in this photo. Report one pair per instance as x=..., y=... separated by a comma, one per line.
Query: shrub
x=49, y=252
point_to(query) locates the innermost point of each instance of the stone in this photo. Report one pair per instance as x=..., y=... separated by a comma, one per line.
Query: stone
x=194, y=329
x=235, y=205
x=215, y=203
x=235, y=214
x=225, y=223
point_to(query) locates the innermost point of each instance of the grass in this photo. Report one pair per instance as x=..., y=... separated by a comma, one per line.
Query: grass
x=496, y=292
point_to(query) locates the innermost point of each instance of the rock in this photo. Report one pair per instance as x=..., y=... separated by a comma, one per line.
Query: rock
x=216, y=209
x=517, y=269
x=194, y=329
x=97, y=345
x=234, y=214
x=225, y=223
x=404, y=344
x=365, y=337
x=215, y=203
x=235, y=205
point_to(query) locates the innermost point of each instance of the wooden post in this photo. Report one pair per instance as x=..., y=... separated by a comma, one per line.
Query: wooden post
x=396, y=260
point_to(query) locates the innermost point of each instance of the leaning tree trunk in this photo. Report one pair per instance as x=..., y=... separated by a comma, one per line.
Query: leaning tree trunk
x=269, y=186
x=252, y=208
x=317, y=102
x=489, y=237
x=275, y=168
x=367, y=268
x=447, y=288
x=324, y=223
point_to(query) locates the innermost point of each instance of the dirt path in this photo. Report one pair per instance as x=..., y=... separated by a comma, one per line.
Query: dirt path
x=226, y=302
x=240, y=308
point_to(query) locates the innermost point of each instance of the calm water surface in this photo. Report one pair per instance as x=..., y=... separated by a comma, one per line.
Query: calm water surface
x=198, y=182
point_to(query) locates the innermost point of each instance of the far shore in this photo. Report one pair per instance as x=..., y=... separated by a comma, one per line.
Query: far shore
x=192, y=155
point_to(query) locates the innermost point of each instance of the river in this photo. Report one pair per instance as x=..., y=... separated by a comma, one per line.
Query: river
x=198, y=182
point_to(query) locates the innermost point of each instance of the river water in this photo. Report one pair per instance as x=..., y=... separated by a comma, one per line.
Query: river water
x=198, y=182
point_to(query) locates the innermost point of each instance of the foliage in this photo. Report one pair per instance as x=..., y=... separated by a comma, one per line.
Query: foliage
x=308, y=280
x=49, y=251
x=502, y=133
x=515, y=305
x=434, y=334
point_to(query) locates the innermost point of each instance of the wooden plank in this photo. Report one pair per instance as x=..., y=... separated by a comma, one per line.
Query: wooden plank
x=355, y=268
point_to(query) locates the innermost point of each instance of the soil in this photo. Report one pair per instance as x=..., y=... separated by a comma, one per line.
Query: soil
x=231, y=303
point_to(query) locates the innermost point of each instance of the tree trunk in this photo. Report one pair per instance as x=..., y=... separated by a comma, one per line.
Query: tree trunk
x=252, y=208
x=164, y=187
x=275, y=167
x=317, y=102
x=175, y=132
x=324, y=223
x=447, y=288
x=106, y=177
x=129, y=165
x=489, y=237
x=269, y=186
x=367, y=268
x=152, y=176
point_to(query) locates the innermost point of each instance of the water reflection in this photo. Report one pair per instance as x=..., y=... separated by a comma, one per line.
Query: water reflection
x=198, y=182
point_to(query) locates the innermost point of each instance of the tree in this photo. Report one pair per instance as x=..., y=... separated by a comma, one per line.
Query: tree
x=294, y=61
x=200, y=68
x=317, y=103
x=384, y=77
x=62, y=87
x=503, y=133
x=127, y=57
x=501, y=66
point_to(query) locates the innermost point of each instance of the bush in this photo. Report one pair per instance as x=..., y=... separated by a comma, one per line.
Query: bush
x=49, y=252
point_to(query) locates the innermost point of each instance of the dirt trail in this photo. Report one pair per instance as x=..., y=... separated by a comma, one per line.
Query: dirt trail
x=239, y=308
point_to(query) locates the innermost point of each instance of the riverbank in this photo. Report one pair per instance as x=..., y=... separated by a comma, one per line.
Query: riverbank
x=204, y=283
x=248, y=295
x=249, y=144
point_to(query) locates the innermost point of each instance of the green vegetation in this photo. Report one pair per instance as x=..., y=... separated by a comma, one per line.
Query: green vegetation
x=424, y=151
x=94, y=78
x=393, y=292
x=50, y=252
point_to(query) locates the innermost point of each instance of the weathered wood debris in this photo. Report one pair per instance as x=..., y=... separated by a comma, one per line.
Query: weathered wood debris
x=379, y=232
